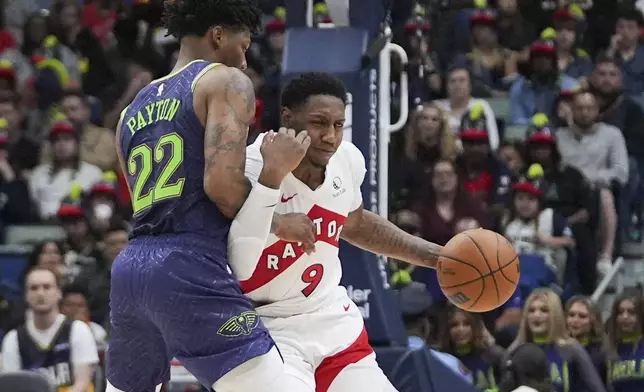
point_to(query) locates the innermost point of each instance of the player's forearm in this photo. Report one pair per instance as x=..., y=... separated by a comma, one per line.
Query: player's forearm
x=378, y=235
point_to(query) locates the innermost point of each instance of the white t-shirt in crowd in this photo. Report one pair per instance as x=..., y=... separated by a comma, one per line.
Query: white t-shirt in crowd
x=490, y=119
x=48, y=192
x=83, y=344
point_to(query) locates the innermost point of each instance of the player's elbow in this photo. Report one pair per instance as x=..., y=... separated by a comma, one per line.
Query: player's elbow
x=217, y=192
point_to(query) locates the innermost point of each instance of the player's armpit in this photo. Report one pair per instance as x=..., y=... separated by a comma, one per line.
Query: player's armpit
x=229, y=111
x=376, y=234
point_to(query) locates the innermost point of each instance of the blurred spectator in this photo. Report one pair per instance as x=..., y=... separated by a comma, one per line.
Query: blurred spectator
x=459, y=102
x=428, y=138
x=416, y=304
x=570, y=195
x=483, y=174
x=512, y=154
x=571, y=59
x=445, y=205
x=625, y=326
x=49, y=254
x=515, y=31
x=618, y=110
x=97, y=144
x=95, y=278
x=23, y=152
x=535, y=230
x=488, y=61
x=526, y=370
x=74, y=306
x=538, y=90
x=625, y=48
x=15, y=203
x=424, y=72
x=584, y=324
x=102, y=204
x=544, y=324
x=51, y=182
x=598, y=150
x=32, y=345
x=34, y=30
x=463, y=335
x=16, y=14
x=81, y=248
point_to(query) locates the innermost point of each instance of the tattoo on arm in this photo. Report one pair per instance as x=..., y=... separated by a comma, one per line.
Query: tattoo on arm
x=378, y=235
x=225, y=143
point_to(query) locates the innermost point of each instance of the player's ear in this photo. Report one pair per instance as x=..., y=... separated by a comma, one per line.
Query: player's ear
x=217, y=36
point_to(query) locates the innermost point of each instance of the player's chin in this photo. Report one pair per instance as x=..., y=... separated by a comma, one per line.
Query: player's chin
x=321, y=158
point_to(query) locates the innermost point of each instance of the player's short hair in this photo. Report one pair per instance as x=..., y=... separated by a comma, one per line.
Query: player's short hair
x=194, y=17
x=305, y=85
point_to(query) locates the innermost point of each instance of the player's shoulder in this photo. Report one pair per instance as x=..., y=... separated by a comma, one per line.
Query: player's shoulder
x=349, y=152
x=216, y=77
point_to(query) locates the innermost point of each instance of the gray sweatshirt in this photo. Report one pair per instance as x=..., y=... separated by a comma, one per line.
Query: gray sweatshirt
x=599, y=152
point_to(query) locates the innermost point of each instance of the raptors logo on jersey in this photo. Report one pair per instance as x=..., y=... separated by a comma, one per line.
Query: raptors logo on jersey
x=284, y=273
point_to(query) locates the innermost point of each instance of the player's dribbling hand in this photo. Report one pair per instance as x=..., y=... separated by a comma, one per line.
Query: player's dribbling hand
x=283, y=150
x=296, y=227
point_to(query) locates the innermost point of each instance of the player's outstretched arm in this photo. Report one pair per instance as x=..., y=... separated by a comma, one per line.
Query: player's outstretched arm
x=229, y=110
x=376, y=234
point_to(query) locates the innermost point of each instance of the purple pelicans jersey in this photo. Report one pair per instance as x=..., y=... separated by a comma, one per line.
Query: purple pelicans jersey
x=172, y=294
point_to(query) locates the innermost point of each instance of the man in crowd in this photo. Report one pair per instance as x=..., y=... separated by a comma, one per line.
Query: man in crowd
x=63, y=350
x=621, y=111
x=625, y=48
x=597, y=150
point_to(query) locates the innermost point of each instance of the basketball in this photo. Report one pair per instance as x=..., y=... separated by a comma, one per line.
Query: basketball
x=478, y=270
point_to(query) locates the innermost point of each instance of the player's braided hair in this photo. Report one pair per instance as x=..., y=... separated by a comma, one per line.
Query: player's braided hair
x=300, y=88
x=194, y=17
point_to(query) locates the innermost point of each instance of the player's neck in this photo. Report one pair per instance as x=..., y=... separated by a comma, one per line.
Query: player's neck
x=42, y=321
x=191, y=50
x=310, y=175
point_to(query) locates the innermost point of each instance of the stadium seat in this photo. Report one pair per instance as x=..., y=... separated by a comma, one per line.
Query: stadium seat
x=514, y=132
x=24, y=382
x=500, y=107
x=412, y=370
x=33, y=234
x=534, y=273
x=13, y=261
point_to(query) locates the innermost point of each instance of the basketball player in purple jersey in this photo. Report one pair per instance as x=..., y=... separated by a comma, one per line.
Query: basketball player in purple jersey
x=182, y=144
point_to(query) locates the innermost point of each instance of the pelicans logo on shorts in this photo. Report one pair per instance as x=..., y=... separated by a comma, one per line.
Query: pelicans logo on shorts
x=242, y=324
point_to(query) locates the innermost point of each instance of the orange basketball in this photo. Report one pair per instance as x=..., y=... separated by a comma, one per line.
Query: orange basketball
x=478, y=270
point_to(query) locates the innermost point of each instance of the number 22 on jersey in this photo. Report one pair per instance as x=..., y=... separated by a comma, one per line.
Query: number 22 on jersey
x=141, y=163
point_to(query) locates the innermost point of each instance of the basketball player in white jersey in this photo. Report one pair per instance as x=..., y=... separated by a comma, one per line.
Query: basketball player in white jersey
x=294, y=278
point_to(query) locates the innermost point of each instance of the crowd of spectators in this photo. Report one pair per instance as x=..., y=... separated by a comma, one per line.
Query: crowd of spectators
x=526, y=118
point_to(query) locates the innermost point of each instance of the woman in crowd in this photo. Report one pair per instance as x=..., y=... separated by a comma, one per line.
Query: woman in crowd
x=460, y=103
x=584, y=324
x=49, y=254
x=464, y=336
x=428, y=138
x=543, y=323
x=50, y=183
x=446, y=207
x=625, y=330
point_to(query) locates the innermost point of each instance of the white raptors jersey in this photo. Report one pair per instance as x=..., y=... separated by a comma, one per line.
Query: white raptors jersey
x=285, y=277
